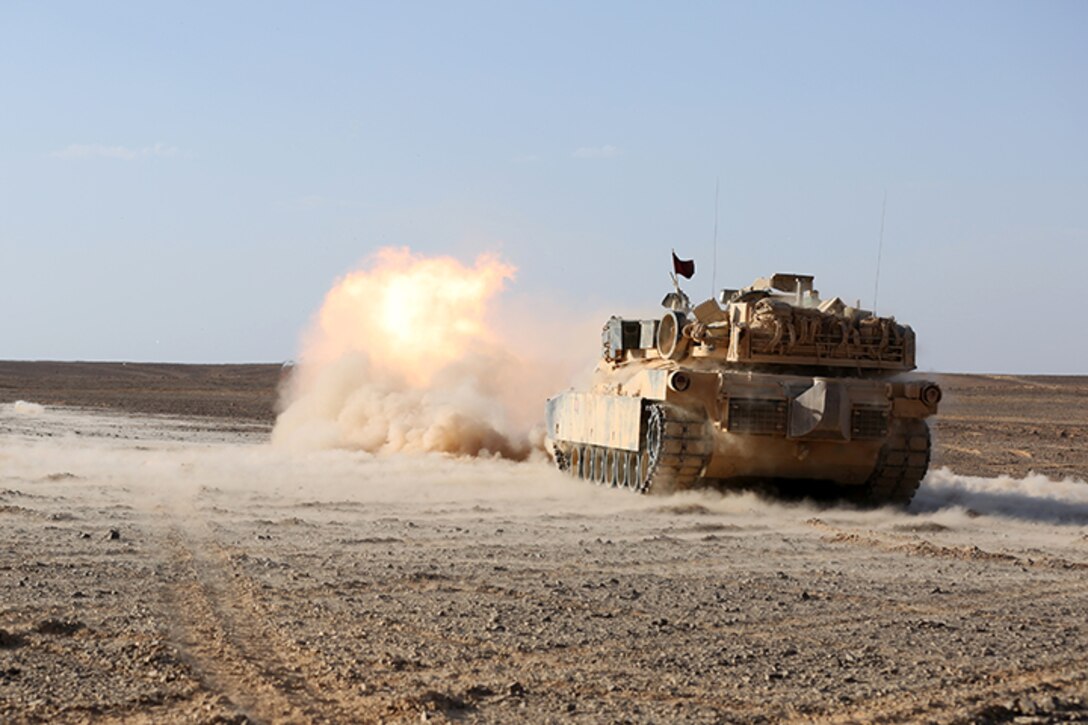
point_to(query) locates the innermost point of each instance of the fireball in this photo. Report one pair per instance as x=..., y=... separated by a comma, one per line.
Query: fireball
x=410, y=315
x=401, y=359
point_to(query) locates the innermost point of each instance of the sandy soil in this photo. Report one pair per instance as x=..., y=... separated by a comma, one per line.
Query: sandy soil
x=1001, y=424
x=179, y=569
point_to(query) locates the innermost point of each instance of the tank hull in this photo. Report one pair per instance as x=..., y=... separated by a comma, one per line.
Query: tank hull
x=735, y=428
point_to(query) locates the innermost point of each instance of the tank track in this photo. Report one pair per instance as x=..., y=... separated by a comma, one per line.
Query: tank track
x=900, y=468
x=673, y=452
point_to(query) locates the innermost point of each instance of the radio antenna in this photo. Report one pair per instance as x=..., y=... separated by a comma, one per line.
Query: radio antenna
x=879, y=249
x=714, y=269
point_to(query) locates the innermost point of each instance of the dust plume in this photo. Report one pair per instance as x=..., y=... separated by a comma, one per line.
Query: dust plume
x=23, y=407
x=409, y=354
x=1032, y=498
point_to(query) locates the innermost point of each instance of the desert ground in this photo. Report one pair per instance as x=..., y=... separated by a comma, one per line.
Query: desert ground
x=162, y=562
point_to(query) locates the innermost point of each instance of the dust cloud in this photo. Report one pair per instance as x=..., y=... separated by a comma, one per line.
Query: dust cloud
x=159, y=458
x=167, y=461
x=409, y=354
x=1032, y=498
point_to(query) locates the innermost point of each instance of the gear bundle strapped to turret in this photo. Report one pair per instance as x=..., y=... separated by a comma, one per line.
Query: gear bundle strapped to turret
x=765, y=385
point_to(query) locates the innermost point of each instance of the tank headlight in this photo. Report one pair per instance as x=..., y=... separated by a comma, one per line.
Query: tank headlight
x=930, y=395
x=679, y=382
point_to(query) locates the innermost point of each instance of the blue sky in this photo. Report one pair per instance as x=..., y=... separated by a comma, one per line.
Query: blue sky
x=184, y=182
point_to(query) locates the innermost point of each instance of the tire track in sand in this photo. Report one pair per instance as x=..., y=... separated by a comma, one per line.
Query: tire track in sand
x=238, y=653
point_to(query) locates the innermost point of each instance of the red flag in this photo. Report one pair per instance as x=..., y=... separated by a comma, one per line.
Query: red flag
x=683, y=267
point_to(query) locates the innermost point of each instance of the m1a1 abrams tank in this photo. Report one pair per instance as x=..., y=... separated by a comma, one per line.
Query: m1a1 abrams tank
x=767, y=386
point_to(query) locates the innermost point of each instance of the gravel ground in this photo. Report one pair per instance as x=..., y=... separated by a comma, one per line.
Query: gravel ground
x=179, y=569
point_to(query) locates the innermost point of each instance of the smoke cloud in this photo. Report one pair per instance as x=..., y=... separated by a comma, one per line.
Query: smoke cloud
x=158, y=457
x=409, y=354
x=1034, y=497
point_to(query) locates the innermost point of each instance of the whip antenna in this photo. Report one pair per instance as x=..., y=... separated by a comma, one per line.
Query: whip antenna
x=714, y=268
x=879, y=249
